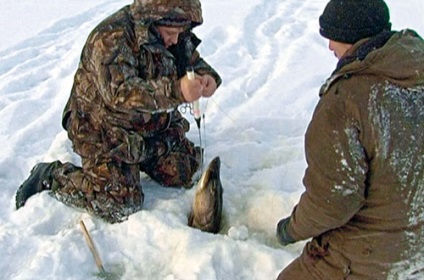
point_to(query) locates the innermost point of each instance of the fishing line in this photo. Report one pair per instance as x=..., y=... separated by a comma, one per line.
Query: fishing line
x=222, y=110
x=195, y=105
x=202, y=148
x=203, y=127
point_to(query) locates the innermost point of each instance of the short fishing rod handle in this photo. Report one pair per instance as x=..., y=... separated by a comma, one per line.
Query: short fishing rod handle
x=196, y=106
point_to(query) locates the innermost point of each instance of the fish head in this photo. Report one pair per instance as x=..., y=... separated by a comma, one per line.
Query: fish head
x=211, y=174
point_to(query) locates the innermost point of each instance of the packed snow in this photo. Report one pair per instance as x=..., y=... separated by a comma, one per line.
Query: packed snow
x=272, y=61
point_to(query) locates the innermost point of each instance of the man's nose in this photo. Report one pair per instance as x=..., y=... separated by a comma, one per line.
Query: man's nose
x=174, y=39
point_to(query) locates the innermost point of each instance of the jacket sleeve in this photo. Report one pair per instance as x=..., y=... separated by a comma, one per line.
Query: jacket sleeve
x=202, y=67
x=335, y=177
x=187, y=55
x=120, y=82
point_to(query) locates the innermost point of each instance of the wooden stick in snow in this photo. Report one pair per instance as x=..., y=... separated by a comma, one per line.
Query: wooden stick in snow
x=93, y=250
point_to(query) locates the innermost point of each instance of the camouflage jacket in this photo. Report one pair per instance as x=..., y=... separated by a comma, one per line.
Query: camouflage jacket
x=126, y=88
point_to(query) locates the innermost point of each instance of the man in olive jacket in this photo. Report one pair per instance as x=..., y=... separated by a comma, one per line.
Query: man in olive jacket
x=122, y=115
x=363, y=205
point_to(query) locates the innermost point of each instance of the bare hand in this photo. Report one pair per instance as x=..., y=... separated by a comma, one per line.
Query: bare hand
x=191, y=89
x=209, y=85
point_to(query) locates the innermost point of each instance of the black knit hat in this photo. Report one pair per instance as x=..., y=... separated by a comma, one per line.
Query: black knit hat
x=348, y=21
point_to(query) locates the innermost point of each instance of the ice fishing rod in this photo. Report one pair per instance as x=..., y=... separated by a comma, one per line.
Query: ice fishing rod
x=196, y=104
x=196, y=113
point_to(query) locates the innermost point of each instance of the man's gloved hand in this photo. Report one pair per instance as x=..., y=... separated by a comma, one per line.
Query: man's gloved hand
x=283, y=236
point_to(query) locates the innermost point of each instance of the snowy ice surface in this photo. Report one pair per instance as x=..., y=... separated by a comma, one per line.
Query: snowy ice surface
x=272, y=61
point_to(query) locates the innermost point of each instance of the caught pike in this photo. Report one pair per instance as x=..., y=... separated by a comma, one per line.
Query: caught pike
x=207, y=205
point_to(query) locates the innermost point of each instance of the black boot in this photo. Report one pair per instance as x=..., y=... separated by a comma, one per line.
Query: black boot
x=40, y=179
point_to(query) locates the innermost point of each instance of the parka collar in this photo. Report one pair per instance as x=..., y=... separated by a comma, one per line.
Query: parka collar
x=352, y=55
x=362, y=48
x=383, y=55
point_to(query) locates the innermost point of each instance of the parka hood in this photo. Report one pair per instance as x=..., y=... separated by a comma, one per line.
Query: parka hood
x=400, y=61
x=149, y=11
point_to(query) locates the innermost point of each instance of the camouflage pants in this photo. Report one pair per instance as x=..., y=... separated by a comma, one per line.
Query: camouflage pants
x=112, y=190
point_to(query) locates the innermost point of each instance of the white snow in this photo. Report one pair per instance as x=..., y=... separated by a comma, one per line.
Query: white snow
x=272, y=61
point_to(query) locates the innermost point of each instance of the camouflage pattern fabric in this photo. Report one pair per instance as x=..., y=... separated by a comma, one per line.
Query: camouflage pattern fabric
x=154, y=10
x=122, y=113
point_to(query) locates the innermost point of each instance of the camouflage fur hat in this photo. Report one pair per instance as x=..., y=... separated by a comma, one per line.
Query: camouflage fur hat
x=170, y=12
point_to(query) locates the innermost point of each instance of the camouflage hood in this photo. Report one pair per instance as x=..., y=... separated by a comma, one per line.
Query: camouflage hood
x=148, y=11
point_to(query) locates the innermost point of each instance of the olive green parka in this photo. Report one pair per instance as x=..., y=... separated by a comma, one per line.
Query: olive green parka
x=364, y=199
